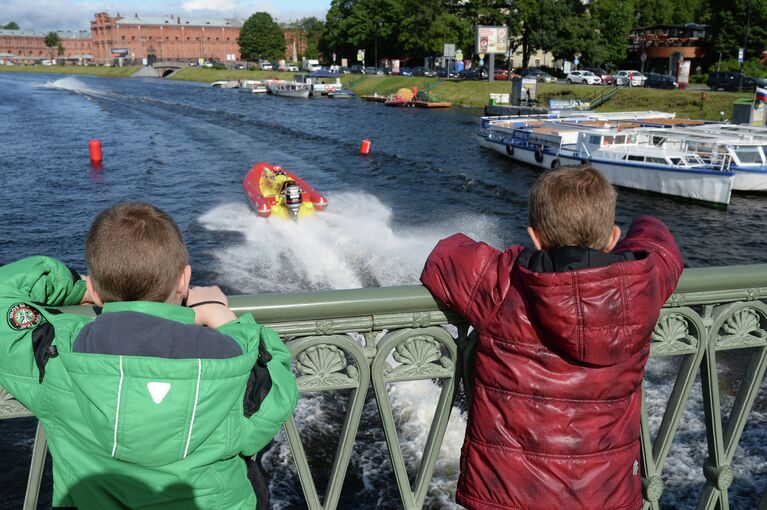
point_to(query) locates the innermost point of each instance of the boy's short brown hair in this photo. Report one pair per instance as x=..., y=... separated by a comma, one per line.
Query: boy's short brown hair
x=573, y=206
x=135, y=252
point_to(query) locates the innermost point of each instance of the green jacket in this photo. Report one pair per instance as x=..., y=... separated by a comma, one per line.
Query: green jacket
x=139, y=431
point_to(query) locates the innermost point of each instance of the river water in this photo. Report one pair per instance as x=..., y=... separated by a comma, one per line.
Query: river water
x=185, y=147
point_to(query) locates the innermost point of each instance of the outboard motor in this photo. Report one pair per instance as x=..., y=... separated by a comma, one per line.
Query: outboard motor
x=293, y=197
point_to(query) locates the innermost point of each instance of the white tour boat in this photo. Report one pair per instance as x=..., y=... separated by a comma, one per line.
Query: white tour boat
x=289, y=88
x=624, y=157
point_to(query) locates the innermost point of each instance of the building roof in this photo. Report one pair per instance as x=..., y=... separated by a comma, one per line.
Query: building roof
x=178, y=21
x=63, y=34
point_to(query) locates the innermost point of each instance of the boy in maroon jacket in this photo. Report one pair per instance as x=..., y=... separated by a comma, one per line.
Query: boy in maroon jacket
x=564, y=335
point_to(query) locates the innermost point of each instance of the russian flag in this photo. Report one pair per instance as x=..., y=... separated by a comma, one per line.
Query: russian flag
x=761, y=94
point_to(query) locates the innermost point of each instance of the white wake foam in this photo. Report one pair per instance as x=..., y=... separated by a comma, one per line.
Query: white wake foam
x=353, y=244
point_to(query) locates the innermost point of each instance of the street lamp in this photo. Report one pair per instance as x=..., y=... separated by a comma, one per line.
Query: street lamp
x=377, y=24
x=745, y=46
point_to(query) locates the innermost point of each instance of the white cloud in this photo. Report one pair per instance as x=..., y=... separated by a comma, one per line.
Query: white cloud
x=209, y=5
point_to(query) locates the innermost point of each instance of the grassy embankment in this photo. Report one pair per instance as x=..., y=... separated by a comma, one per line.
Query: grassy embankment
x=686, y=103
x=114, y=72
x=695, y=104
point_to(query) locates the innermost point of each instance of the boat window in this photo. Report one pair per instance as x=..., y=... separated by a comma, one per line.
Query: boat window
x=659, y=161
x=633, y=157
x=676, y=161
x=748, y=154
x=620, y=139
x=594, y=139
x=657, y=140
x=607, y=140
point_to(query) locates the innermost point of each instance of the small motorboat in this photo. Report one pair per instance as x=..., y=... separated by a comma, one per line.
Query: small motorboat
x=276, y=192
x=397, y=101
x=341, y=94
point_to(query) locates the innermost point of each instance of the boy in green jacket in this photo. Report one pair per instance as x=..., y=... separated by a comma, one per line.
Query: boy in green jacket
x=143, y=407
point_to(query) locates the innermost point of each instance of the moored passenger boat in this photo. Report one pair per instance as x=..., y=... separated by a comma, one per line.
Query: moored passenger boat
x=289, y=88
x=621, y=154
x=276, y=192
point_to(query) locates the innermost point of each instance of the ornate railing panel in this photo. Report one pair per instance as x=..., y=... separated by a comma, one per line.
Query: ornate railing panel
x=342, y=341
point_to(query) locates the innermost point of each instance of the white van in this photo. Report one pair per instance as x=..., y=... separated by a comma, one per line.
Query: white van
x=311, y=65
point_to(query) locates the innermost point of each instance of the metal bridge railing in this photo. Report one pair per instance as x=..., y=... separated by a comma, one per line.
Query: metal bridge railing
x=352, y=340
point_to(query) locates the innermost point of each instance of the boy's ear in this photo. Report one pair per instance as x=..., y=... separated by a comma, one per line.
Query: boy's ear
x=535, y=237
x=614, y=238
x=182, y=291
x=92, y=291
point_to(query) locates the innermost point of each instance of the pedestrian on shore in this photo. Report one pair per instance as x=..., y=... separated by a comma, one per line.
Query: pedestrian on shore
x=564, y=335
x=162, y=398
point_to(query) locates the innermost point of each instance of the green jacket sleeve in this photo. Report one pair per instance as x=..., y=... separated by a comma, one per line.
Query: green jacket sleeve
x=26, y=287
x=280, y=402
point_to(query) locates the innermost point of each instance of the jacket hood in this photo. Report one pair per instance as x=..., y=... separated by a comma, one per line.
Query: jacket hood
x=154, y=411
x=593, y=308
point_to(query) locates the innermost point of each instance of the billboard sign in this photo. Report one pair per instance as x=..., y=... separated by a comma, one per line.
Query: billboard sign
x=119, y=52
x=492, y=40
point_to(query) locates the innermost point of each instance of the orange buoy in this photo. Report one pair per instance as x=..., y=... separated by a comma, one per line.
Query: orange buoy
x=365, y=147
x=95, y=148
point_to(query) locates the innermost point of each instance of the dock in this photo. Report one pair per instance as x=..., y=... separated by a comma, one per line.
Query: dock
x=432, y=104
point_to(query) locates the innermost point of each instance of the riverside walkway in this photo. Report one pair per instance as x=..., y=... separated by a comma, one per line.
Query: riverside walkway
x=713, y=310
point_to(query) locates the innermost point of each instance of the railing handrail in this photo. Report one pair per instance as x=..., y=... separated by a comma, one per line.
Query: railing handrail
x=727, y=283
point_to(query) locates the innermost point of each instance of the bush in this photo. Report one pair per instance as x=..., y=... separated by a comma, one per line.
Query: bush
x=751, y=67
x=219, y=65
x=699, y=78
x=252, y=68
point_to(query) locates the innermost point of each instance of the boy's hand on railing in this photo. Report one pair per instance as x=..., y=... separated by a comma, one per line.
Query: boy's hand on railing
x=210, y=305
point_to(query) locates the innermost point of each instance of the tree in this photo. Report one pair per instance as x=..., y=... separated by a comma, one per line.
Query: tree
x=52, y=40
x=11, y=26
x=731, y=20
x=314, y=29
x=261, y=37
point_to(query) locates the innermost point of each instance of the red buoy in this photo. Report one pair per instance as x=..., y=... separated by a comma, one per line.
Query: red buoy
x=95, y=148
x=365, y=147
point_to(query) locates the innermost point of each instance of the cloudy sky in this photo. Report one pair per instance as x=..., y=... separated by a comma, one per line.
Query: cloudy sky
x=77, y=14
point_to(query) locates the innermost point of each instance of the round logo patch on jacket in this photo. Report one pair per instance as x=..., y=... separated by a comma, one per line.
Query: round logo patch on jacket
x=22, y=316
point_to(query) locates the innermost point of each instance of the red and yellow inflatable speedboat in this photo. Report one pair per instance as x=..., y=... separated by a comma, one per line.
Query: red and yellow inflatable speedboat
x=276, y=192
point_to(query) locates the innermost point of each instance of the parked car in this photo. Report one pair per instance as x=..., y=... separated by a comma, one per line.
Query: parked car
x=422, y=71
x=629, y=77
x=606, y=77
x=503, y=74
x=343, y=70
x=474, y=73
x=446, y=73
x=356, y=69
x=291, y=68
x=586, y=77
x=730, y=81
x=373, y=70
x=239, y=66
x=405, y=71
x=266, y=66
x=660, y=81
x=537, y=74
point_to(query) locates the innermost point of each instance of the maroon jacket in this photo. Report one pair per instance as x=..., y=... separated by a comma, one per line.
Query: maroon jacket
x=555, y=413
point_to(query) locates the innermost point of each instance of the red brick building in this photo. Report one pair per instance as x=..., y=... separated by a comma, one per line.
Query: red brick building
x=29, y=46
x=164, y=38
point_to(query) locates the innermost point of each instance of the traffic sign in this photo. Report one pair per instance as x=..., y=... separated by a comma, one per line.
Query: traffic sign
x=458, y=55
x=740, y=54
x=481, y=62
x=576, y=61
x=643, y=57
x=481, y=56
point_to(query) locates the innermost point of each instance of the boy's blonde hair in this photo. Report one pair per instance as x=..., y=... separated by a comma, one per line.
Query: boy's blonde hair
x=573, y=206
x=135, y=252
